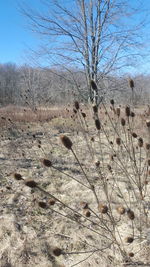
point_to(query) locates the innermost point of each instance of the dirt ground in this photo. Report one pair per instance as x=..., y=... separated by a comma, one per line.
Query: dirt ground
x=29, y=233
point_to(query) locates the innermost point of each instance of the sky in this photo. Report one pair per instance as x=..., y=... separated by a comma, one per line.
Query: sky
x=16, y=38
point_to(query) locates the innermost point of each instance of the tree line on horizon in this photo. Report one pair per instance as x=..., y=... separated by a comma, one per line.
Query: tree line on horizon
x=31, y=86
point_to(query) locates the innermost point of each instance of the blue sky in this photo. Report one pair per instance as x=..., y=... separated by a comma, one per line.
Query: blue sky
x=16, y=38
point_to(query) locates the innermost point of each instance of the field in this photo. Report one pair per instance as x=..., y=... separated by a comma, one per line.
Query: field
x=82, y=201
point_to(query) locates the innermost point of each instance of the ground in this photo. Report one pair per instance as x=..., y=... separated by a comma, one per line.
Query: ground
x=29, y=233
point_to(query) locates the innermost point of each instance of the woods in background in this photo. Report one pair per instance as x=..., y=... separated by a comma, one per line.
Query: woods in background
x=29, y=86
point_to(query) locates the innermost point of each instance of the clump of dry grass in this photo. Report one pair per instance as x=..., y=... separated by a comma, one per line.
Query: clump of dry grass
x=27, y=115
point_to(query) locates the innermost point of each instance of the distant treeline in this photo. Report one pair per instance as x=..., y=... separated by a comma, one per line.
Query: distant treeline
x=31, y=86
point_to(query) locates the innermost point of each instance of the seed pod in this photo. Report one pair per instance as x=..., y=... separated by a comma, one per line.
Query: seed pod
x=148, y=124
x=132, y=114
x=30, y=183
x=127, y=111
x=134, y=135
x=93, y=85
x=92, y=139
x=86, y=213
x=18, y=176
x=42, y=204
x=129, y=239
x=123, y=122
x=97, y=124
x=76, y=104
x=131, y=254
x=66, y=141
x=140, y=142
x=121, y=210
x=47, y=162
x=109, y=167
x=97, y=163
x=84, y=205
x=147, y=146
x=131, y=83
x=130, y=214
x=83, y=115
x=95, y=109
x=118, y=141
x=57, y=251
x=118, y=112
x=51, y=201
x=74, y=110
x=148, y=162
x=103, y=208
x=112, y=102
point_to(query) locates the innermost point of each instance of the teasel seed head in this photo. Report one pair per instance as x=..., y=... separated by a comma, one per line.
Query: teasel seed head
x=127, y=111
x=84, y=205
x=131, y=254
x=130, y=214
x=123, y=122
x=148, y=124
x=76, y=104
x=109, y=167
x=132, y=114
x=147, y=146
x=51, y=201
x=46, y=162
x=140, y=142
x=131, y=83
x=42, y=204
x=74, y=110
x=97, y=124
x=86, y=213
x=92, y=139
x=134, y=135
x=97, y=163
x=148, y=162
x=18, y=176
x=95, y=109
x=83, y=114
x=57, y=251
x=66, y=141
x=93, y=85
x=118, y=112
x=103, y=208
x=30, y=183
x=112, y=102
x=118, y=141
x=121, y=210
x=129, y=239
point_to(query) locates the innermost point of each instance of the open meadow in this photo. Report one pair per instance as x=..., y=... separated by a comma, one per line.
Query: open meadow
x=75, y=186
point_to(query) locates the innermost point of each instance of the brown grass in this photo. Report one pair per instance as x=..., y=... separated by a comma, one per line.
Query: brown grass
x=85, y=201
x=25, y=114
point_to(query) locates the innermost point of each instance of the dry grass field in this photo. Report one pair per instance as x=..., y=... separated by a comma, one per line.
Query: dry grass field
x=75, y=186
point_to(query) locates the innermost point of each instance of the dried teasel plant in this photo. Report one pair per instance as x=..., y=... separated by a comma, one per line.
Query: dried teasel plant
x=112, y=179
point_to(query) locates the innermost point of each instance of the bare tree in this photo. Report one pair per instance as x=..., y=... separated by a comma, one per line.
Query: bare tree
x=96, y=36
x=8, y=83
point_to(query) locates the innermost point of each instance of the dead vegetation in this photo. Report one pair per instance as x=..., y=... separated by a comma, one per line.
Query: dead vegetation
x=81, y=190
